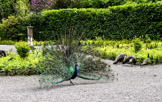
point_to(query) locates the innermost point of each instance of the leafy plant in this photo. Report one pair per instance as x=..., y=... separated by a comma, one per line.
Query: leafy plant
x=137, y=45
x=22, y=7
x=22, y=49
x=11, y=28
x=147, y=39
x=7, y=42
x=14, y=65
x=109, y=50
x=7, y=8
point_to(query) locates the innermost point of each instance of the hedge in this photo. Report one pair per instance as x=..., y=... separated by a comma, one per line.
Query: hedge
x=118, y=22
x=12, y=7
x=59, y=4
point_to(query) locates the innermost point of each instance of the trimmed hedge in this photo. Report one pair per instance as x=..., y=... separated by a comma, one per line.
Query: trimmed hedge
x=58, y=4
x=118, y=22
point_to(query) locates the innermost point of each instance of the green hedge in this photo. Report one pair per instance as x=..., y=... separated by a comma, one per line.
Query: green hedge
x=93, y=3
x=118, y=22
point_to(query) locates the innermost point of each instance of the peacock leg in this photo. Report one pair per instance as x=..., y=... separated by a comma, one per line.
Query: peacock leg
x=71, y=82
x=131, y=64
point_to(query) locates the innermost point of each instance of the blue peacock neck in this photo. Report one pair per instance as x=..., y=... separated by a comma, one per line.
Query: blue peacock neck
x=75, y=73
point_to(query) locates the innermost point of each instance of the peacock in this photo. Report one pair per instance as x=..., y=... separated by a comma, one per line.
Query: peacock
x=130, y=59
x=120, y=58
x=146, y=61
x=67, y=59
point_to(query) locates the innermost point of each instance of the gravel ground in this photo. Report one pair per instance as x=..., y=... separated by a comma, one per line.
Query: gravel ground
x=134, y=84
x=12, y=48
x=8, y=48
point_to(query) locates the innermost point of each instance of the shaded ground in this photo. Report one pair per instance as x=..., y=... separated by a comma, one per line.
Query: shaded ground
x=134, y=84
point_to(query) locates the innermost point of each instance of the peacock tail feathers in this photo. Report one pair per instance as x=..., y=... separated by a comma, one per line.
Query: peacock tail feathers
x=59, y=61
x=92, y=68
x=54, y=67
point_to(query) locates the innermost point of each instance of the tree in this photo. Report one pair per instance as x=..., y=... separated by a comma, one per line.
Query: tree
x=38, y=5
x=7, y=7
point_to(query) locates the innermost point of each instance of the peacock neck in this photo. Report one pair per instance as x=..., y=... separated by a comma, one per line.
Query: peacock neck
x=75, y=73
x=75, y=67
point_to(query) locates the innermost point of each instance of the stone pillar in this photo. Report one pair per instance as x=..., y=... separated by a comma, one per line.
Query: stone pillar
x=30, y=35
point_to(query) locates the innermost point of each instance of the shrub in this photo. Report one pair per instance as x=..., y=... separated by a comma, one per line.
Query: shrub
x=15, y=28
x=119, y=22
x=111, y=52
x=11, y=29
x=40, y=31
x=147, y=39
x=22, y=7
x=57, y=4
x=22, y=49
x=137, y=45
x=7, y=42
x=151, y=46
x=14, y=65
x=6, y=8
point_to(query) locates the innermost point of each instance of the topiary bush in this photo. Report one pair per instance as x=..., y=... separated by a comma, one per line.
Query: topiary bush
x=22, y=49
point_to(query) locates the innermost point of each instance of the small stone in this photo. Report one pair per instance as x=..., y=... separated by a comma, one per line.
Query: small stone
x=155, y=75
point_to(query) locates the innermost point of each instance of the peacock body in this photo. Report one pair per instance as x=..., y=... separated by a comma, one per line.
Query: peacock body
x=68, y=59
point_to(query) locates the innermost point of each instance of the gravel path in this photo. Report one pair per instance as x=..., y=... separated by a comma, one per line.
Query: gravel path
x=12, y=48
x=134, y=84
x=8, y=48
